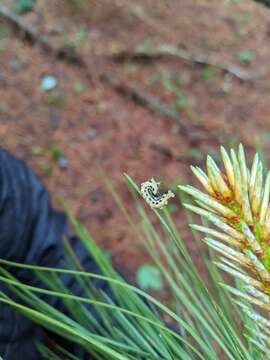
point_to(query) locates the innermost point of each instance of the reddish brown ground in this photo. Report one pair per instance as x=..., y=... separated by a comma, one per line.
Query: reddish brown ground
x=100, y=125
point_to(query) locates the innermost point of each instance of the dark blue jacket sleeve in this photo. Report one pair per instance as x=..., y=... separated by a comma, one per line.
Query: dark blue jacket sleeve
x=31, y=231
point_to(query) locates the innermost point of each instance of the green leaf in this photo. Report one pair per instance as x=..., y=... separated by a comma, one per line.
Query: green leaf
x=54, y=98
x=207, y=72
x=149, y=277
x=24, y=6
x=181, y=100
x=56, y=153
x=78, y=87
x=245, y=57
x=81, y=34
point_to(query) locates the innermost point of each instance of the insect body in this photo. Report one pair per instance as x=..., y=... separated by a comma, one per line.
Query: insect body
x=150, y=192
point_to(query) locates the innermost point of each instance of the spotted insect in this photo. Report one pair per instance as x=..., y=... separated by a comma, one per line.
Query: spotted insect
x=150, y=192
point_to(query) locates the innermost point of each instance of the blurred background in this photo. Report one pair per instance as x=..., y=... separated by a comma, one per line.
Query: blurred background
x=145, y=87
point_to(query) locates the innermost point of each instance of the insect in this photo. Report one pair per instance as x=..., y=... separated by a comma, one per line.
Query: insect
x=150, y=192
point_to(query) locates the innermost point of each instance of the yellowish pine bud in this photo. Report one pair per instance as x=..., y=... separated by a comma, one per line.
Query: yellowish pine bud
x=216, y=179
x=228, y=166
x=253, y=175
x=209, y=201
x=203, y=178
x=217, y=221
x=229, y=252
x=219, y=235
x=259, y=267
x=265, y=200
x=253, y=243
x=237, y=177
x=257, y=191
x=245, y=278
x=243, y=167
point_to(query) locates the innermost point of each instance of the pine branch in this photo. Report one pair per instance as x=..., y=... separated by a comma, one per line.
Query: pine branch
x=236, y=202
x=165, y=50
x=67, y=53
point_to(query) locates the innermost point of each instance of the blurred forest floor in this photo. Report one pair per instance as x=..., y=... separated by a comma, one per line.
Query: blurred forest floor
x=154, y=86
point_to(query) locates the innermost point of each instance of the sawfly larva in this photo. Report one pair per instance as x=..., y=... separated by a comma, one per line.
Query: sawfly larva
x=150, y=193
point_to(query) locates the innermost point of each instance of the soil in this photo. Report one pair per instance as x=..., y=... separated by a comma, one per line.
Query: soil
x=91, y=123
